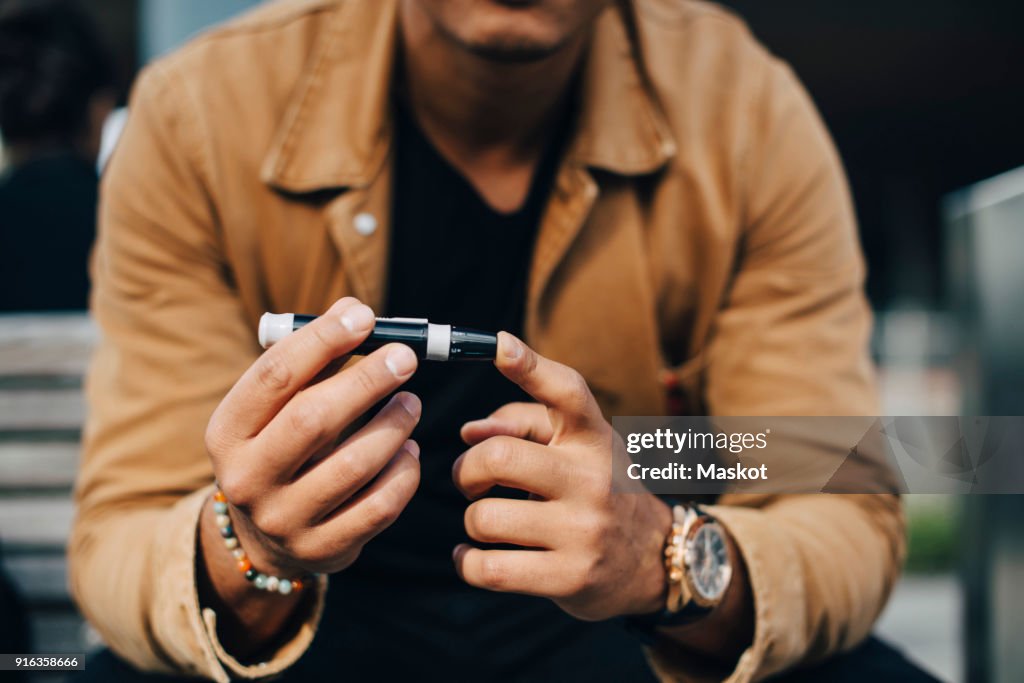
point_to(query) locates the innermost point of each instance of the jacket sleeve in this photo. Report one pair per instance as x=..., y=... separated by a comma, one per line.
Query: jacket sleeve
x=791, y=338
x=173, y=340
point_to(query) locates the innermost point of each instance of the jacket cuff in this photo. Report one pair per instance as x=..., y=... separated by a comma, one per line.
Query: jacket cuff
x=775, y=583
x=286, y=654
x=178, y=601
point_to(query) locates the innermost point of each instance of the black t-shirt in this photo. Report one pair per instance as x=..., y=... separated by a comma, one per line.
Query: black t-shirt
x=401, y=610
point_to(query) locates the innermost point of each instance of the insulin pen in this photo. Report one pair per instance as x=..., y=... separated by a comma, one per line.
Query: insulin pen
x=428, y=340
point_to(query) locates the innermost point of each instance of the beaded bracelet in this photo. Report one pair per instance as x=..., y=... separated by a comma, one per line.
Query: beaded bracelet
x=271, y=584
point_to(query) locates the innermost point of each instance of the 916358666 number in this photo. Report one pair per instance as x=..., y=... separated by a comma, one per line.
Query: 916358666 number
x=42, y=662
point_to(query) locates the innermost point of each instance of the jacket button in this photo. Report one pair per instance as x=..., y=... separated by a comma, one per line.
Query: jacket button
x=365, y=223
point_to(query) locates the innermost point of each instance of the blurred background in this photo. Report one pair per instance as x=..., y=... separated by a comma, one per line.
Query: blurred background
x=925, y=102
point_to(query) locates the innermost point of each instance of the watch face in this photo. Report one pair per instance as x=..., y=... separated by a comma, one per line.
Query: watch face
x=708, y=562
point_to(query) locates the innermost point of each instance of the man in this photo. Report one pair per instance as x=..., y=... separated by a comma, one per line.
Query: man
x=637, y=189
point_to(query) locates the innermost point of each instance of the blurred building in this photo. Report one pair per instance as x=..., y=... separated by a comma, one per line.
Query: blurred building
x=986, y=248
x=165, y=24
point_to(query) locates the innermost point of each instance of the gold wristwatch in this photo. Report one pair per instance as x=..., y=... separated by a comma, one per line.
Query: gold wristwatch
x=697, y=565
x=697, y=569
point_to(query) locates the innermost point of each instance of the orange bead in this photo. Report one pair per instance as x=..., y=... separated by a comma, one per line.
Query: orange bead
x=219, y=497
x=244, y=565
x=296, y=585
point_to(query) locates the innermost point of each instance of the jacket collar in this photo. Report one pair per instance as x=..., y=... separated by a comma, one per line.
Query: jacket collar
x=621, y=128
x=336, y=131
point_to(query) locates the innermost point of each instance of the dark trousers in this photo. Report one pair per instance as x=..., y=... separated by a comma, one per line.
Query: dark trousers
x=871, y=662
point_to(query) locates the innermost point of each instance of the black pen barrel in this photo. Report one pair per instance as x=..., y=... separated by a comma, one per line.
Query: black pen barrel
x=428, y=340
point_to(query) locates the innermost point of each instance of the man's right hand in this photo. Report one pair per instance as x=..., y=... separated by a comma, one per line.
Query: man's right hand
x=299, y=502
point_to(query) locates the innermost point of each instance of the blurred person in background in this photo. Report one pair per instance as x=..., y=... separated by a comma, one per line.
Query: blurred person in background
x=57, y=87
x=15, y=636
x=637, y=188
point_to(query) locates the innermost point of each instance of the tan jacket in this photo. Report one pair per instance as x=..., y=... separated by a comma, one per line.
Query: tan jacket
x=700, y=222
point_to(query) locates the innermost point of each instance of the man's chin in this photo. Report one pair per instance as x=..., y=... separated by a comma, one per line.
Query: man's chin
x=513, y=50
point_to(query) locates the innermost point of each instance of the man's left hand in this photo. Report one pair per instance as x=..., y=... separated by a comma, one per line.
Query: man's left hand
x=595, y=553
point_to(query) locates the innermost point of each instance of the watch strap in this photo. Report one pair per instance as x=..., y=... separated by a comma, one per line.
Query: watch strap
x=645, y=625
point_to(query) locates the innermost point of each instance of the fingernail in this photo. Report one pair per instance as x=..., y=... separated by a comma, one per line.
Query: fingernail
x=412, y=448
x=358, y=318
x=458, y=550
x=401, y=361
x=410, y=402
x=511, y=347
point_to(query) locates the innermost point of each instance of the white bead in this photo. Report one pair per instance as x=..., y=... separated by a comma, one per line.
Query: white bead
x=231, y=543
x=273, y=583
x=223, y=521
x=285, y=587
x=238, y=553
x=365, y=223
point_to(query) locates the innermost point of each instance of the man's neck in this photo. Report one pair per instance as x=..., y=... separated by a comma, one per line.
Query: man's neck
x=491, y=120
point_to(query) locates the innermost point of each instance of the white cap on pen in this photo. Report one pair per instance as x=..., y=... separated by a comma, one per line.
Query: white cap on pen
x=439, y=341
x=274, y=327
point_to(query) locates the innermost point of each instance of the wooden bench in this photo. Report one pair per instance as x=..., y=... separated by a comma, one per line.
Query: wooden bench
x=42, y=361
